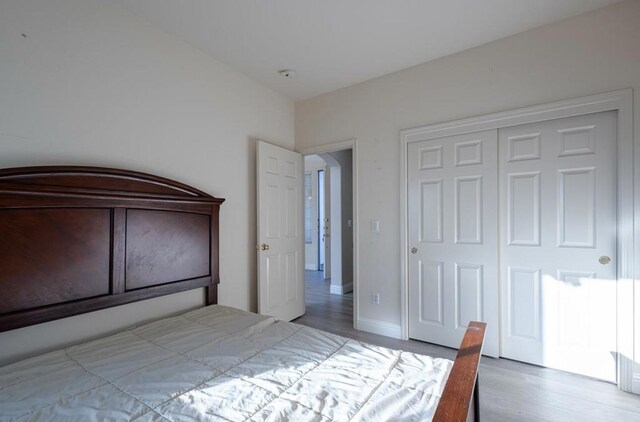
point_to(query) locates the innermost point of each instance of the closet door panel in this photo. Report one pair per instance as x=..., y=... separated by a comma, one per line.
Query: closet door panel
x=453, y=238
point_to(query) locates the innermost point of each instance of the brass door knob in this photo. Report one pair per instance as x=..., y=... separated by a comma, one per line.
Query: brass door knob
x=604, y=260
x=414, y=250
x=264, y=247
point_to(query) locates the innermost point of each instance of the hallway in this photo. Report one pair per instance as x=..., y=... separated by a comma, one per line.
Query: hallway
x=325, y=311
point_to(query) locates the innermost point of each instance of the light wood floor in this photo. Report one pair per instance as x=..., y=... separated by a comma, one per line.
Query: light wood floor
x=509, y=390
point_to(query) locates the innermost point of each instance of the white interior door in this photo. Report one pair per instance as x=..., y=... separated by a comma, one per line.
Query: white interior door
x=558, y=261
x=280, y=232
x=453, y=238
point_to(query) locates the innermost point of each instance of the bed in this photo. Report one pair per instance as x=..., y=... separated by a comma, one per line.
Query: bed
x=79, y=239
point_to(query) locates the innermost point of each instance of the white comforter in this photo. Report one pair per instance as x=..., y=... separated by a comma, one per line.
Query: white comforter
x=219, y=363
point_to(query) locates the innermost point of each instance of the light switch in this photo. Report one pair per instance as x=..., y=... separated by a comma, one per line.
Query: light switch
x=349, y=223
x=375, y=226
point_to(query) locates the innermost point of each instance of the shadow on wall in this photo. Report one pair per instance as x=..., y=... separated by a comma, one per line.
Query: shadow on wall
x=252, y=235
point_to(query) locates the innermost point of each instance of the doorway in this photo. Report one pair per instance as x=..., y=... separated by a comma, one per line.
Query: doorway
x=317, y=249
x=329, y=246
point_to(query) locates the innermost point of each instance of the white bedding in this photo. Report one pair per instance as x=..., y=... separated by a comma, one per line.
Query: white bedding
x=219, y=363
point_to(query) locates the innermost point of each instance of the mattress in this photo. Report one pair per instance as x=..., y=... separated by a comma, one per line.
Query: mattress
x=222, y=364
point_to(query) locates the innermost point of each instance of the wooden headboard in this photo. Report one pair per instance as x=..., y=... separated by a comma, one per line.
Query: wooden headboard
x=79, y=239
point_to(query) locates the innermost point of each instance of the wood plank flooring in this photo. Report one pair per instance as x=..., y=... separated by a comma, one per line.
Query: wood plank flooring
x=509, y=390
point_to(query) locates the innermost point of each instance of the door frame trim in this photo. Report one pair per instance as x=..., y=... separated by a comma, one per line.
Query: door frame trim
x=351, y=144
x=620, y=101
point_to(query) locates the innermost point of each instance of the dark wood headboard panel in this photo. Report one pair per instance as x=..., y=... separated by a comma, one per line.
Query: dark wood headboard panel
x=79, y=239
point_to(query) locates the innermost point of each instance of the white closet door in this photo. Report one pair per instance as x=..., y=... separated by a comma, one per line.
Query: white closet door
x=558, y=229
x=453, y=238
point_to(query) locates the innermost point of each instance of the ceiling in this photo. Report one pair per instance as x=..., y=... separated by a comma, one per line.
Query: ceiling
x=336, y=43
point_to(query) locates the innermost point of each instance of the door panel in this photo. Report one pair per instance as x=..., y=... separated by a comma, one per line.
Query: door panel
x=431, y=292
x=523, y=301
x=558, y=212
x=468, y=294
x=431, y=211
x=468, y=209
x=453, y=224
x=280, y=232
x=523, y=208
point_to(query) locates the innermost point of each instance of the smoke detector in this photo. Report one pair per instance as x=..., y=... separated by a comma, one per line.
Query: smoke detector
x=287, y=73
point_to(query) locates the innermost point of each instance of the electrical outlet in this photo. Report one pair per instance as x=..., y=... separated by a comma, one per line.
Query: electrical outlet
x=375, y=298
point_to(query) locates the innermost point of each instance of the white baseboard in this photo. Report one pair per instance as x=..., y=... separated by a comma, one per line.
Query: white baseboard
x=336, y=289
x=311, y=267
x=379, y=327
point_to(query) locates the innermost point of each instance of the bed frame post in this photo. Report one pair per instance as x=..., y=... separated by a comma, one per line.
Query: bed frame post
x=212, y=294
x=476, y=400
x=212, y=289
x=461, y=388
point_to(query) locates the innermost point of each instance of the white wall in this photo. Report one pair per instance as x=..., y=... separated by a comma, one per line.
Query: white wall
x=313, y=163
x=90, y=84
x=344, y=158
x=592, y=53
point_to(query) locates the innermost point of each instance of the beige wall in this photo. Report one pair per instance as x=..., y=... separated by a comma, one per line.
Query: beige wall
x=313, y=163
x=593, y=53
x=91, y=84
x=344, y=158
